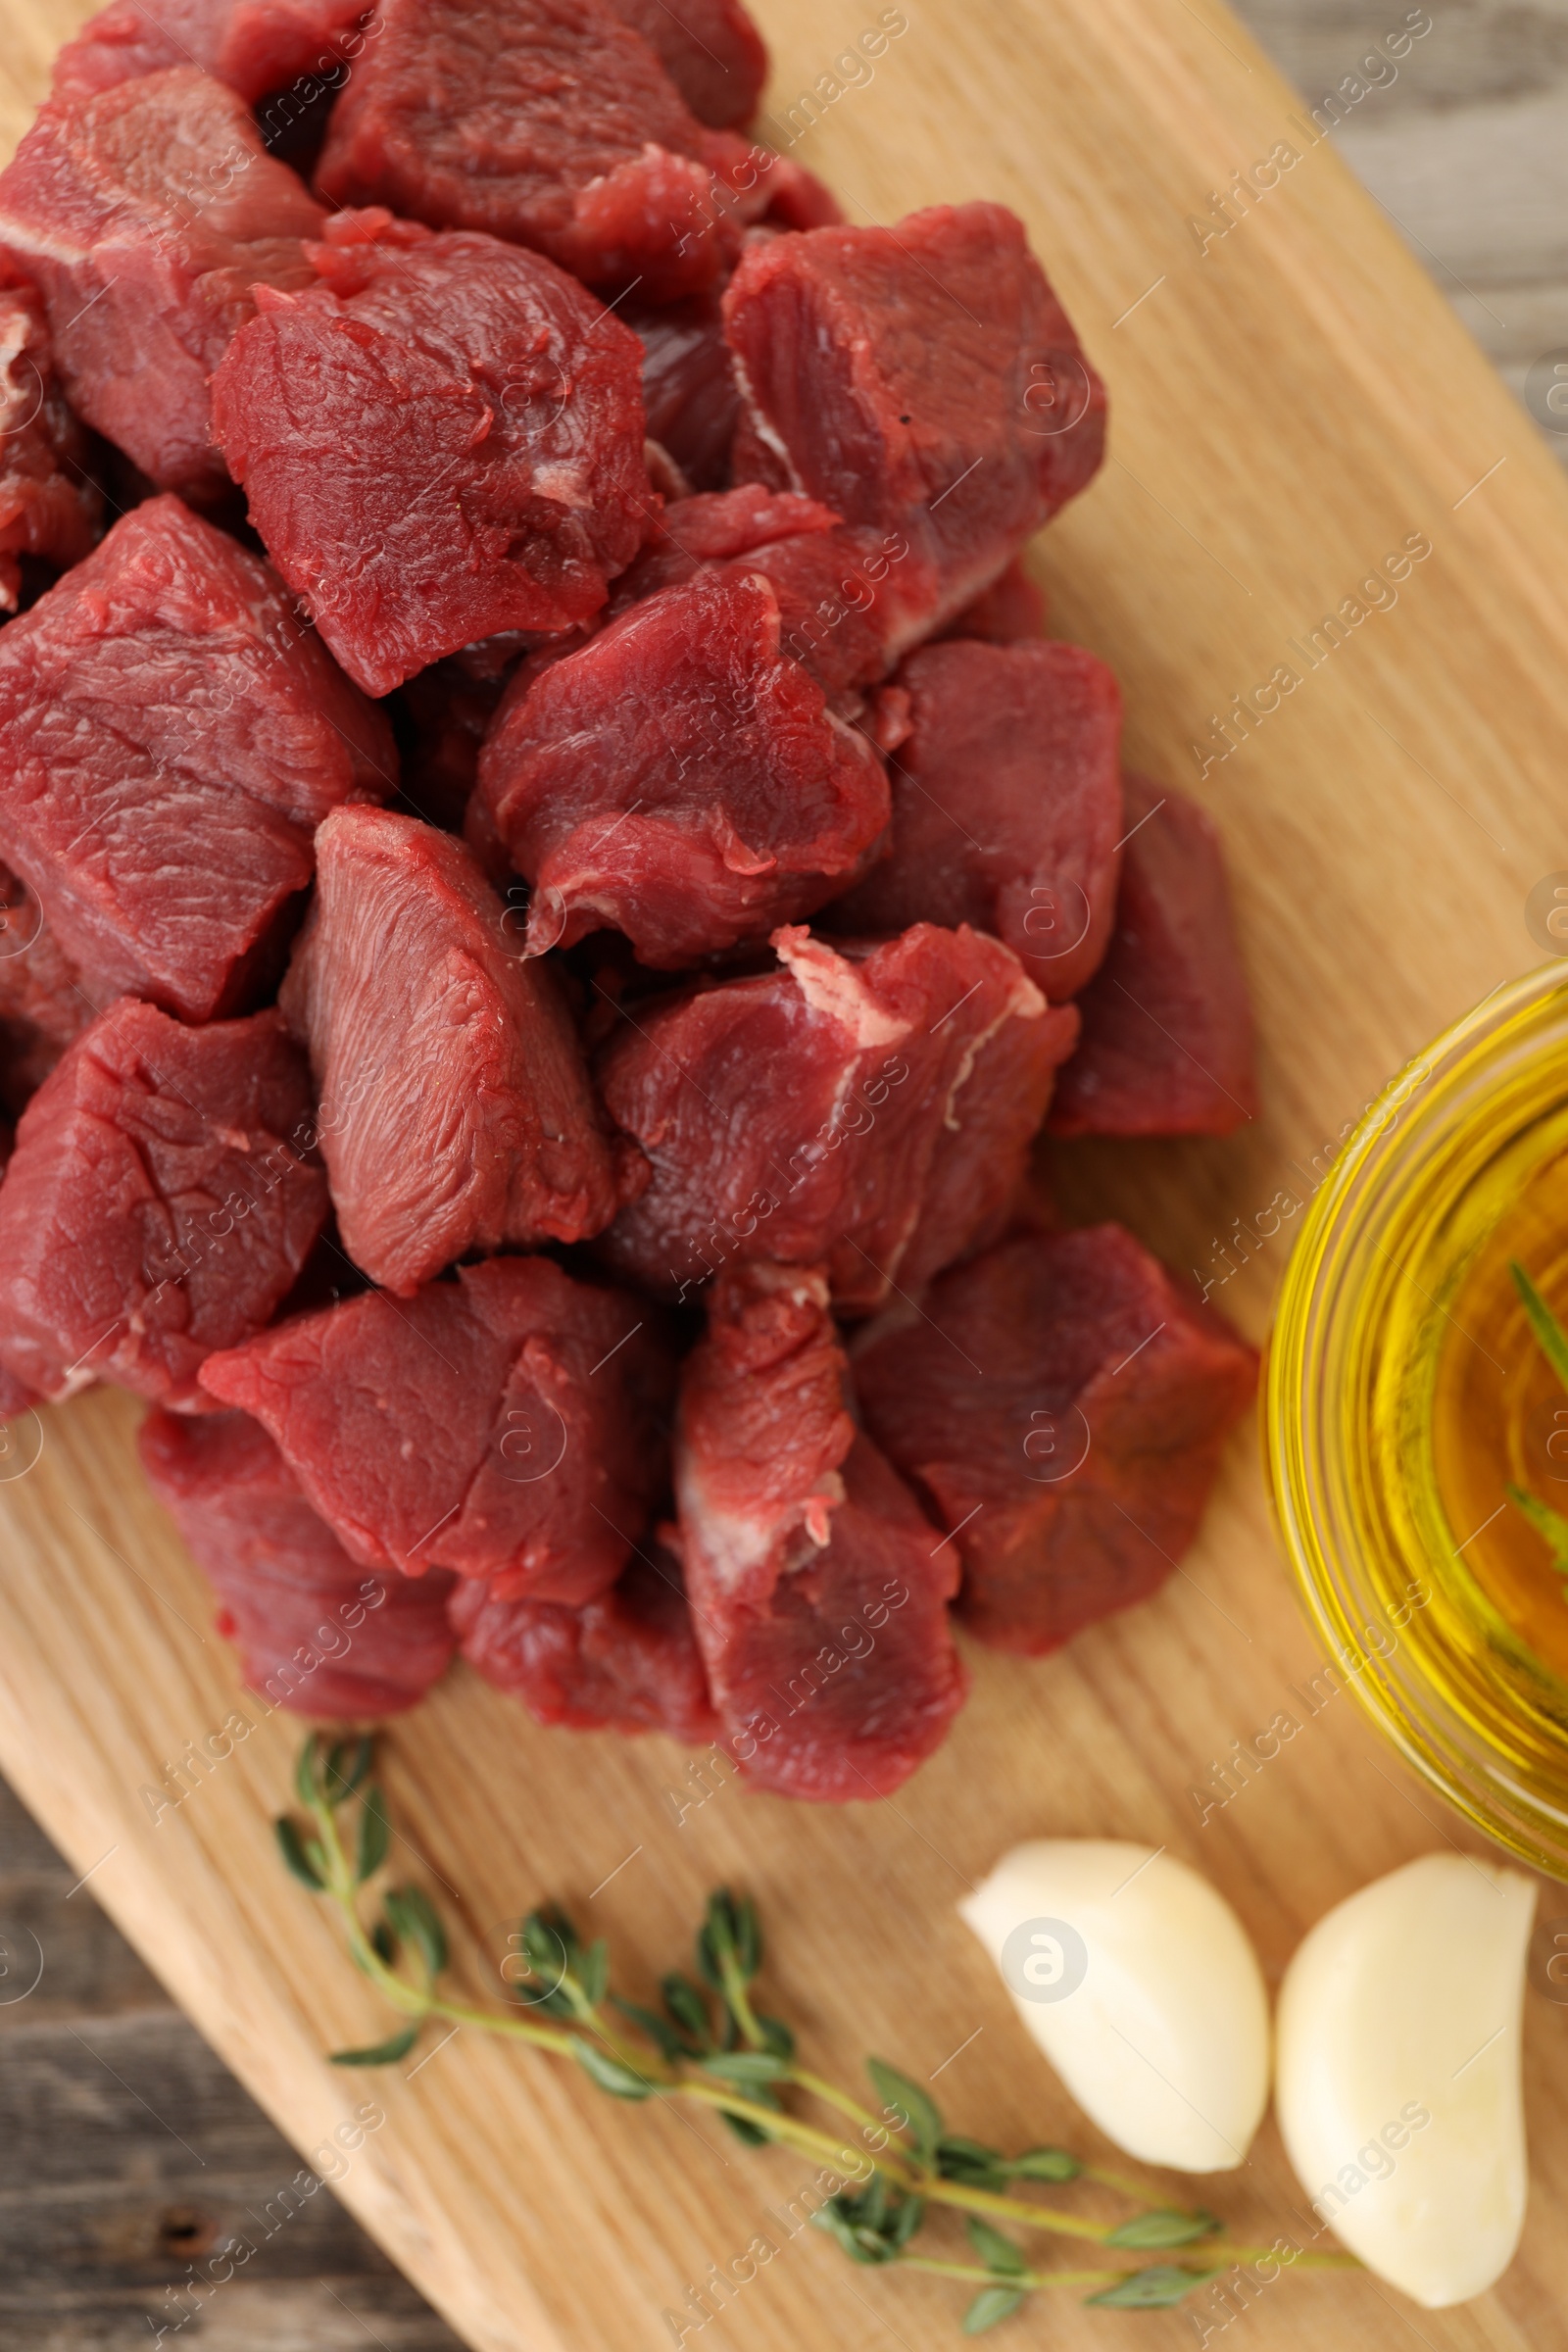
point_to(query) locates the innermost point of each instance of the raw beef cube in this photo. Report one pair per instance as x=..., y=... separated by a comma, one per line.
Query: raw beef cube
x=169, y=738
x=440, y=440
x=872, y=1112
x=145, y=216
x=710, y=50
x=43, y=1004
x=254, y=45
x=1167, y=1042
x=316, y=1632
x=550, y=122
x=843, y=595
x=1012, y=609
x=818, y=1591
x=161, y=1201
x=627, y=1661
x=16, y=1398
x=1006, y=806
x=680, y=778
x=506, y=1424
x=689, y=386
x=457, y=1111
x=49, y=507
x=1061, y=1407
x=922, y=381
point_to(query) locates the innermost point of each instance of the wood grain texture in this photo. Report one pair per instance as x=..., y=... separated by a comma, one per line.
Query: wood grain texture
x=1288, y=407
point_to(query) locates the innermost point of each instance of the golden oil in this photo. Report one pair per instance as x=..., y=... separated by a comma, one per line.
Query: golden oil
x=1406, y=1391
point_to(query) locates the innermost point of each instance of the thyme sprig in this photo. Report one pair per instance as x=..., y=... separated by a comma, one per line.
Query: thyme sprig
x=1549, y=1525
x=711, y=2045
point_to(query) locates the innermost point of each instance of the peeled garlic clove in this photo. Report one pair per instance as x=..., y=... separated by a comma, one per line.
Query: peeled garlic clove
x=1136, y=1981
x=1397, y=2086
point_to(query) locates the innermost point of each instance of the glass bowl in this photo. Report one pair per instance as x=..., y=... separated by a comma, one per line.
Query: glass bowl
x=1404, y=1390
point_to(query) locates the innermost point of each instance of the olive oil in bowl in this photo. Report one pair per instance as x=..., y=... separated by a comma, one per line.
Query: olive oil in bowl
x=1407, y=1394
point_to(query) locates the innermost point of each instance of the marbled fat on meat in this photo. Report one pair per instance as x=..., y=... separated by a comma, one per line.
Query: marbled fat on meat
x=457, y=1111
x=1062, y=1405
x=507, y=1424
x=171, y=735
x=145, y=216
x=439, y=440
x=159, y=1204
x=1006, y=806
x=1168, y=1045
x=316, y=1632
x=818, y=1593
x=873, y=1111
x=680, y=780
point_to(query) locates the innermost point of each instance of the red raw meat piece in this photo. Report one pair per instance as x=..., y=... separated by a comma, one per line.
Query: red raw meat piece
x=710, y=50
x=159, y=1204
x=876, y=1112
x=440, y=441
x=922, y=381
x=844, y=596
x=689, y=387
x=457, y=1111
x=819, y=1596
x=550, y=122
x=627, y=1661
x=680, y=778
x=1006, y=806
x=42, y=1002
x=253, y=45
x=316, y=1632
x=169, y=738
x=1062, y=1407
x=145, y=216
x=1012, y=609
x=1168, y=1045
x=49, y=508
x=505, y=1424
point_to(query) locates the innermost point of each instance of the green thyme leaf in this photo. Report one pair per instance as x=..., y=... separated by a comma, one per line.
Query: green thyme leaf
x=1043, y=2164
x=992, y=2304
x=347, y=1763
x=777, y=2036
x=746, y=2066
x=747, y=1932
x=906, y=2220
x=1157, y=2289
x=611, y=2073
x=1147, y=2231
x=970, y=2162
x=750, y=2134
x=997, y=2252
x=383, y=1943
x=375, y=1834
x=291, y=1846
x=1551, y=1337
x=840, y=2218
x=381, y=2053
x=415, y=1920
x=593, y=1972
x=660, y=2031
x=687, y=2007
x=916, y=2107
x=307, y=1788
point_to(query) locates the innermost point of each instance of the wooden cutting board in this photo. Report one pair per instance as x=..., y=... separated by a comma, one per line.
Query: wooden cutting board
x=1293, y=403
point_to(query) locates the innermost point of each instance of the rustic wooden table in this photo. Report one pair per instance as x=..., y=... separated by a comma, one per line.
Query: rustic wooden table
x=127, y=2148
